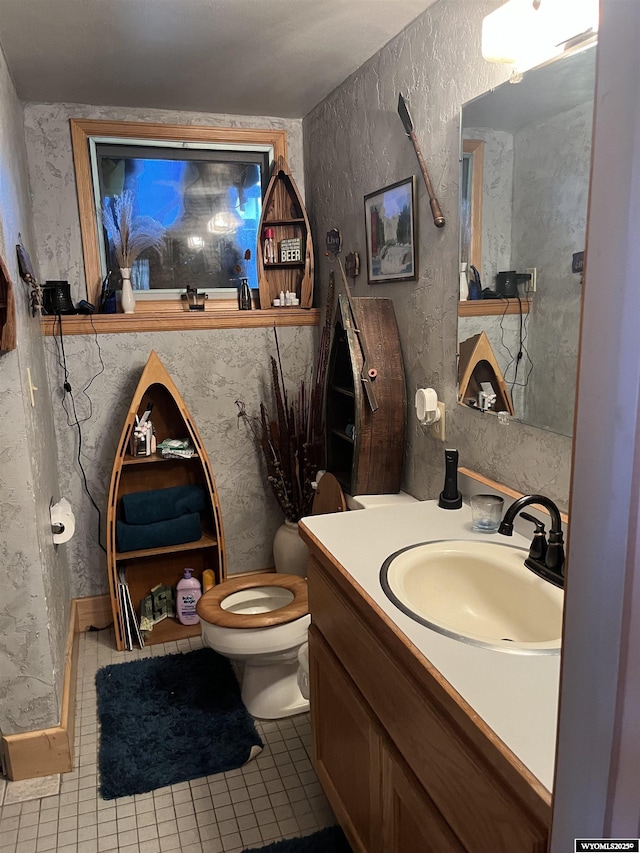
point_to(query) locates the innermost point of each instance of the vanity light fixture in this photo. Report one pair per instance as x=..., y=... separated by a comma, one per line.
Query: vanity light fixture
x=527, y=33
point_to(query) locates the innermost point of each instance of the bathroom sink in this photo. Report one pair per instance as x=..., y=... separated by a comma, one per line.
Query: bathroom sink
x=476, y=592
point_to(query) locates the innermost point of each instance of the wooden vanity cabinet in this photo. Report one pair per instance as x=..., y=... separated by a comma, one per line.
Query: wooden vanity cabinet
x=406, y=764
x=346, y=746
x=373, y=792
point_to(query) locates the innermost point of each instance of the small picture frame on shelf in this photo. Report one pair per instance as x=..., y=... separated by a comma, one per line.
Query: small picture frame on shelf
x=391, y=232
x=290, y=250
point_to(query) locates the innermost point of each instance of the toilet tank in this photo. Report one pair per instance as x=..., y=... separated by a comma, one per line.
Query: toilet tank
x=373, y=501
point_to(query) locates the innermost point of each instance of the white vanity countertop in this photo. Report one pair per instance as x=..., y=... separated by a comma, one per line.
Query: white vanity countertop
x=515, y=694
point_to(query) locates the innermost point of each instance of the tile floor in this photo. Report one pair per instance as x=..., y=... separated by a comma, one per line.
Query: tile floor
x=275, y=796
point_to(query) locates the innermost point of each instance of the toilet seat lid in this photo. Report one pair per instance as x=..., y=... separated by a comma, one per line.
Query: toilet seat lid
x=210, y=610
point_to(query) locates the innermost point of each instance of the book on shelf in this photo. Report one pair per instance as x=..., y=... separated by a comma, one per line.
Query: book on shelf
x=125, y=626
x=131, y=628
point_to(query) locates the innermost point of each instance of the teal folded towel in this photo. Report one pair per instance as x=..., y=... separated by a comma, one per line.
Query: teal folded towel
x=173, y=531
x=162, y=504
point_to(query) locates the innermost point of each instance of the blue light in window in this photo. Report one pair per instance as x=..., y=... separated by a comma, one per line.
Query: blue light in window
x=157, y=185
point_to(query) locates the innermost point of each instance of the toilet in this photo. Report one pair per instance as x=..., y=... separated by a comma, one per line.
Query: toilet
x=262, y=621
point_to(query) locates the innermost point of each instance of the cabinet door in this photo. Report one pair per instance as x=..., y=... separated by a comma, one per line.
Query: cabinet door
x=346, y=748
x=411, y=822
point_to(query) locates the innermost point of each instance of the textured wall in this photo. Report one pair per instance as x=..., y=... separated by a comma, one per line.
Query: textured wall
x=211, y=369
x=549, y=225
x=33, y=574
x=354, y=143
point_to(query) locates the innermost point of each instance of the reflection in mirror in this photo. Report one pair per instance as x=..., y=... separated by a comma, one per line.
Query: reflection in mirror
x=525, y=159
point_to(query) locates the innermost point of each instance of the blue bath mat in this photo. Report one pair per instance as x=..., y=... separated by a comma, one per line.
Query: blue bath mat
x=165, y=720
x=330, y=840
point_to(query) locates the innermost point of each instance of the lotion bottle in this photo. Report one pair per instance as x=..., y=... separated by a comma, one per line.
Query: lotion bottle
x=187, y=594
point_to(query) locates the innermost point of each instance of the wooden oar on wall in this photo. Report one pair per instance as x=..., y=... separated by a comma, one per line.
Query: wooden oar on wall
x=403, y=112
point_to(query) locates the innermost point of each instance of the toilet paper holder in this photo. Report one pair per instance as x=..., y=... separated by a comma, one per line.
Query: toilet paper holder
x=63, y=523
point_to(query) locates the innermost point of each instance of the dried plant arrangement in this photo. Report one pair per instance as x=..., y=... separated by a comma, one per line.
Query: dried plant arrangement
x=293, y=442
x=129, y=235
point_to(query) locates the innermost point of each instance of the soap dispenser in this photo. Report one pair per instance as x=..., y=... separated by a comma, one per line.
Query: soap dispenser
x=450, y=497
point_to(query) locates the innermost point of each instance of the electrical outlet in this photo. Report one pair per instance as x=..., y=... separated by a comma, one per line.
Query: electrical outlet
x=530, y=286
x=438, y=427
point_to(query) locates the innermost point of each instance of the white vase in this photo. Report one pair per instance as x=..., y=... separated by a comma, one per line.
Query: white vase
x=289, y=551
x=127, y=300
x=464, y=282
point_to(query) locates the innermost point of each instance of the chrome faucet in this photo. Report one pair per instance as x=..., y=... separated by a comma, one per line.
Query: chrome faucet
x=546, y=559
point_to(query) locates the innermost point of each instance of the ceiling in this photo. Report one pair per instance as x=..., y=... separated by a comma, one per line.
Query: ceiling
x=245, y=57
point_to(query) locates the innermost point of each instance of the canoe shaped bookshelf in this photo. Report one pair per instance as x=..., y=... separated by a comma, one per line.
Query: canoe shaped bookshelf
x=149, y=565
x=476, y=364
x=285, y=218
x=365, y=449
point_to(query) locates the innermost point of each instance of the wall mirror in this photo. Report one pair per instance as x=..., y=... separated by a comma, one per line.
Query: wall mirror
x=525, y=156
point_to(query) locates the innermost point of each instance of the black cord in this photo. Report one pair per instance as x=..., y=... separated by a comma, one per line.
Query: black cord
x=76, y=422
x=99, y=373
x=522, y=350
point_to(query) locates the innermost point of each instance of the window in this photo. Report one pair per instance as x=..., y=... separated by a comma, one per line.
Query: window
x=209, y=202
x=471, y=202
x=205, y=185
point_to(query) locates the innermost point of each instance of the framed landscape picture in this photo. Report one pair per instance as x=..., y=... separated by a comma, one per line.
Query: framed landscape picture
x=390, y=223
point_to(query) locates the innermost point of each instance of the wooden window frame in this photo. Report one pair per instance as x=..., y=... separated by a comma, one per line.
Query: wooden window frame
x=168, y=313
x=475, y=148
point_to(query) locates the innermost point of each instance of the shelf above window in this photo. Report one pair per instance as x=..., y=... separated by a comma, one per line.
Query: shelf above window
x=493, y=307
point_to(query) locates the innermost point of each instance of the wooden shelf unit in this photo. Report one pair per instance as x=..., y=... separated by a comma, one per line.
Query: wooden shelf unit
x=155, y=457
x=165, y=316
x=477, y=364
x=370, y=461
x=493, y=307
x=283, y=211
x=146, y=567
